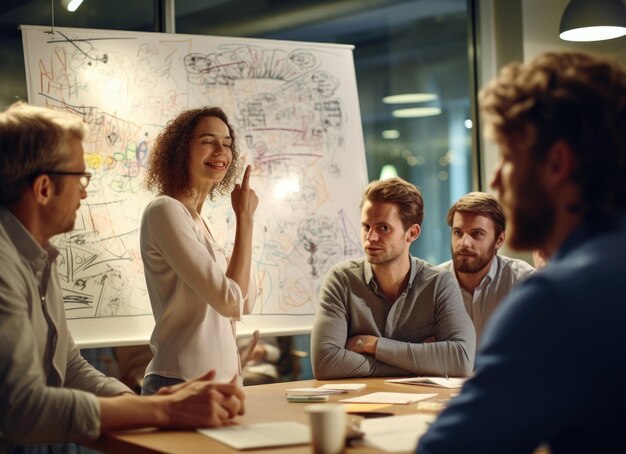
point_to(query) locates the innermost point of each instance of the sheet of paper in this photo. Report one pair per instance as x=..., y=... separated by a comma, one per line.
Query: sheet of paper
x=264, y=435
x=396, y=433
x=388, y=398
x=343, y=386
x=440, y=382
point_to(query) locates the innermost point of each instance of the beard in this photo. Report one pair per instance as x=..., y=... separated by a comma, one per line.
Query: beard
x=531, y=218
x=473, y=263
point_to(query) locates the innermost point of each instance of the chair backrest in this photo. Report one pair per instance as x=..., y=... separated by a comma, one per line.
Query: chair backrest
x=289, y=366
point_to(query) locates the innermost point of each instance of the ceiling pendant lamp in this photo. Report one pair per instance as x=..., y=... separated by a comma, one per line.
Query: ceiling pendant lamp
x=593, y=20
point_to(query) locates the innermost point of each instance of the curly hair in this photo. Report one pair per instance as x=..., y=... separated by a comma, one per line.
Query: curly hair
x=481, y=203
x=403, y=194
x=569, y=96
x=168, y=162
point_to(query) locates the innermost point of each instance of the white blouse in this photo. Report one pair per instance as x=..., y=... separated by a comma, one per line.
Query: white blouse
x=193, y=301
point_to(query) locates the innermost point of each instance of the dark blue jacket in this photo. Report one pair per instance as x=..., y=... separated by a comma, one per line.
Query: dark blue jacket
x=552, y=364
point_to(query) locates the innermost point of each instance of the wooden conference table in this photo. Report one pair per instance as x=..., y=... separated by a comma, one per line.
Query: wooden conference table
x=264, y=403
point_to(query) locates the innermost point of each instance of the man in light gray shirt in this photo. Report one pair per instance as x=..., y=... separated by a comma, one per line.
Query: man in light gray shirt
x=477, y=226
x=377, y=316
x=48, y=392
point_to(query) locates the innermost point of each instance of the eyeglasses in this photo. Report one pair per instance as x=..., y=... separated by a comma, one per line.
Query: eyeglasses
x=83, y=177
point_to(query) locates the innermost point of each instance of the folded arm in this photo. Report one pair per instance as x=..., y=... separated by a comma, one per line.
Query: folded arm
x=452, y=352
x=336, y=355
x=330, y=356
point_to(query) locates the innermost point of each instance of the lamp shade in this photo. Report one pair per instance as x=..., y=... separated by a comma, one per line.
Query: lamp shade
x=593, y=20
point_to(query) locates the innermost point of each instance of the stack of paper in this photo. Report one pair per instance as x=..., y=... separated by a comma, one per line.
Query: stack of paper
x=325, y=390
x=312, y=392
x=440, y=382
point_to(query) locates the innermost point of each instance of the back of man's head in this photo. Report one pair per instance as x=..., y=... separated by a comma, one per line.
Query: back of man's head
x=480, y=203
x=404, y=195
x=32, y=140
x=569, y=96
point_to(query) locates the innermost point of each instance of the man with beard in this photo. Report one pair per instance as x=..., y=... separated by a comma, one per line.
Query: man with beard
x=477, y=226
x=375, y=314
x=48, y=392
x=553, y=354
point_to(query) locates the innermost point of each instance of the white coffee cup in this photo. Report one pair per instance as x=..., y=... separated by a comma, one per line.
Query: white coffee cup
x=328, y=427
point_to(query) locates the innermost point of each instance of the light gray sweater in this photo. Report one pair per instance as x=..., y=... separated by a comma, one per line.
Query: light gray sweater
x=350, y=304
x=47, y=390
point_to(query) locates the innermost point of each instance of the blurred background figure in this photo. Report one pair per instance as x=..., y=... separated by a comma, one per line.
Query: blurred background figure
x=273, y=359
x=261, y=366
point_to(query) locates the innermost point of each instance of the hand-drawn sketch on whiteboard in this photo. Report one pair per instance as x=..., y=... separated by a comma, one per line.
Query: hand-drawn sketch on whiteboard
x=295, y=110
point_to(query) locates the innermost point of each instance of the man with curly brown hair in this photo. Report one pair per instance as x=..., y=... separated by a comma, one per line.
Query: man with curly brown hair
x=552, y=355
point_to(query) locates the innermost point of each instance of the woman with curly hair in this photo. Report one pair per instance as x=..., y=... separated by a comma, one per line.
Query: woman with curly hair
x=195, y=290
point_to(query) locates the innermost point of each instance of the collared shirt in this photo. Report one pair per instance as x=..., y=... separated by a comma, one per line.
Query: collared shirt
x=552, y=361
x=504, y=273
x=351, y=304
x=47, y=390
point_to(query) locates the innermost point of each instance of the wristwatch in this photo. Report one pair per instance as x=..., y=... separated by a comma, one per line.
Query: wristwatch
x=360, y=341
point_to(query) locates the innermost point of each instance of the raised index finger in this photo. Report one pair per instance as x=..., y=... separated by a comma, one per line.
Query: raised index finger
x=245, y=183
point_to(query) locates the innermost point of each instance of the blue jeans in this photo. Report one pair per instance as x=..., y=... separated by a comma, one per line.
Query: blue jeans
x=153, y=382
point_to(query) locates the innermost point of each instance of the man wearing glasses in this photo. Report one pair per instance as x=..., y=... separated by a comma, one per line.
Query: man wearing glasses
x=48, y=392
x=83, y=177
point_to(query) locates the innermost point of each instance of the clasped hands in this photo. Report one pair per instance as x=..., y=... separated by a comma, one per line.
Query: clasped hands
x=202, y=402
